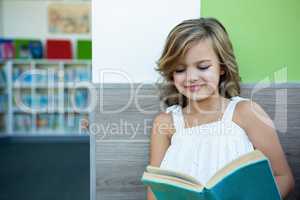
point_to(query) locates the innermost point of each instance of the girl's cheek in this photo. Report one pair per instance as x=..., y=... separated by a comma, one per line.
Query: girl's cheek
x=175, y=80
x=212, y=75
x=179, y=77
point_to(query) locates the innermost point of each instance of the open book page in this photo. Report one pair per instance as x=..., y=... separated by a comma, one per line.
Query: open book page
x=172, y=181
x=166, y=172
x=246, y=159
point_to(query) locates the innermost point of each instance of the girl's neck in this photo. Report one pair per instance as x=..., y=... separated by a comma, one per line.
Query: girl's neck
x=212, y=104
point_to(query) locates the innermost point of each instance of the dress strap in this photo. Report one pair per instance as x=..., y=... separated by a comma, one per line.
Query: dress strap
x=228, y=114
x=177, y=116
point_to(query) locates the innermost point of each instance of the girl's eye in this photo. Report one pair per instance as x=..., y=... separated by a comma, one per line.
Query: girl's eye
x=203, y=67
x=180, y=70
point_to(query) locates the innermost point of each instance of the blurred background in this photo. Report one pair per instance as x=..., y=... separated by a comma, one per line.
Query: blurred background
x=45, y=59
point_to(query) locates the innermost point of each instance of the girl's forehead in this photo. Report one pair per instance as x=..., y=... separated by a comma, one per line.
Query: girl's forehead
x=199, y=51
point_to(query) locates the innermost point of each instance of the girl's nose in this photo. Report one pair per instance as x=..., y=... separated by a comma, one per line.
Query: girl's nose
x=192, y=74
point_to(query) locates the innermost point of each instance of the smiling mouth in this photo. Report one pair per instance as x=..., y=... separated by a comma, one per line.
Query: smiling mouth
x=192, y=88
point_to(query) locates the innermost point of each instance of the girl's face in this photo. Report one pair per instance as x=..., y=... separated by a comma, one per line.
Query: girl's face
x=197, y=75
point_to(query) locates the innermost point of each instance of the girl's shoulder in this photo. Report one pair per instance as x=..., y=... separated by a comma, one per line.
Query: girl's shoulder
x=166, y=115
x=247, y=111
x=163, y=117
x=164, y=122
x=246, y=106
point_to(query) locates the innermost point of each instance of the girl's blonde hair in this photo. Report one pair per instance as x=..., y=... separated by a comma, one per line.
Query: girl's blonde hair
x=180, y=39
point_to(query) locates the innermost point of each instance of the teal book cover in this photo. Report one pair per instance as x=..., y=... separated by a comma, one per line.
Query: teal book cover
x=248, y=177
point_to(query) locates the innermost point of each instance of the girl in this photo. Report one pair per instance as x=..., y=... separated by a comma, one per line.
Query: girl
x=207, y=124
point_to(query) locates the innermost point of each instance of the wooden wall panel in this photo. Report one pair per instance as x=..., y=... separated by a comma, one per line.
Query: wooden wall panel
x=122, y=141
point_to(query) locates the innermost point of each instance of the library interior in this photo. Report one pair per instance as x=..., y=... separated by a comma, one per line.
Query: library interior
x=45, y=65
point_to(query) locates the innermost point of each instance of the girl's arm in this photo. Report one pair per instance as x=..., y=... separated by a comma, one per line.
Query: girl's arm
x=261, y=132
x=160, y=141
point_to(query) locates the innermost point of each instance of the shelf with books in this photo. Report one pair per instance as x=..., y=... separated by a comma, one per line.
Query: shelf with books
x=76, y=98
x=3, y=77
x=76, y=73
x=43, y=96
x=3, y=98
x=48, y=122
x=22, y=122
x=75, y=121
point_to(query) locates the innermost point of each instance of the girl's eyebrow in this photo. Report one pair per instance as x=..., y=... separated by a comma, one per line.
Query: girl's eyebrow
x=202, y=61
x=197, y=62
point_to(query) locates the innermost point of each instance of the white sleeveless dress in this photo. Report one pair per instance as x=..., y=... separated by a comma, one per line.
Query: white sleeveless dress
x=202, y=150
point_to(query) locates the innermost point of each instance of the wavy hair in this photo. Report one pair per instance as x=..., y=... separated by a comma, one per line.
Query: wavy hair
x=179, y=40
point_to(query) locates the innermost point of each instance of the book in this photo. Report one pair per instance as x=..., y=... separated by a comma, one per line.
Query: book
x=22, y=48
x=36, y=49
x=58, y=49
x=247, y=177
x=6, y=49
x=84, y=49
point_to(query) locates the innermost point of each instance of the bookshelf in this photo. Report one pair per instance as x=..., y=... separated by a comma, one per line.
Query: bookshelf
x=44, y=97
x=3, y=98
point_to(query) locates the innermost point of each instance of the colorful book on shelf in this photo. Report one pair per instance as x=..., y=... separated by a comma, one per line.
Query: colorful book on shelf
x=84, y=49
x=36, y=49
x=6, y=49
x=22, y=48
x=3, y=102
x=3, y=79
x=47, y=122
x=248, y=177
x=76, y=74
x=58, y=49
x=22, y=122
x=28, y=48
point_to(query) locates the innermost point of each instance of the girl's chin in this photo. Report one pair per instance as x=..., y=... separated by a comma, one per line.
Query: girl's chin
x=198, y=96
x=193, y=98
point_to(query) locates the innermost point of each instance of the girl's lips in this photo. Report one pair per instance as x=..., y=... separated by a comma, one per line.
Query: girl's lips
x=193, y=88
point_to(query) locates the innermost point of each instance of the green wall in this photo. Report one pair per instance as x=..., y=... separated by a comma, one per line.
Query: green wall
x=265, y=36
